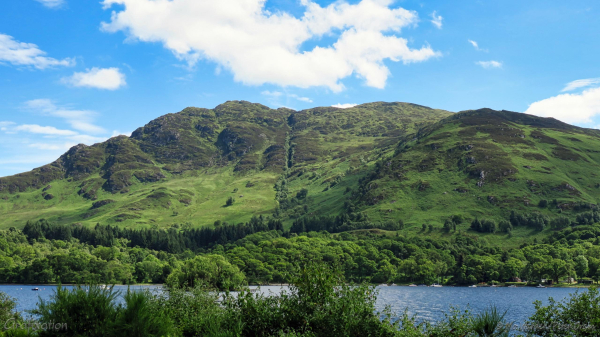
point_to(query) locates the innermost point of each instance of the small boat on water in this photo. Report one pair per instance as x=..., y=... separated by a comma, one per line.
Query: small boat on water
x=493, y=286
x=393, y=284
x=472, y=286
x=540, y=286
x=412, y=285
x=35, y=289
x=512, y=286
x=435, y=285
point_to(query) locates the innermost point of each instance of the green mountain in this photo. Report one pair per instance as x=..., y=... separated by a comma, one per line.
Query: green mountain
x=382, y=160
x=486, y=163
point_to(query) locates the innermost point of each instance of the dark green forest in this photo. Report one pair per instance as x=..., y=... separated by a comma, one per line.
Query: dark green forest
x=261, y=252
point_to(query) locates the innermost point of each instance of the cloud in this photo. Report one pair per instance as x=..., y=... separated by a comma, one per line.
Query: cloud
x=581, y=84
x=344, y=106
x=52, y=3
x=4, y=125
x=569, y=108
x=119, y=133
x=490, y=64
x=78, y=119
x=25, y=146
x=436, y=20
x=272, y=94
x=476, y=46
x=274, y=97
x=100, y=78
x=258, y=46
x=300, y=98
x=27, y=54
x=45, y=130
x=51, y=147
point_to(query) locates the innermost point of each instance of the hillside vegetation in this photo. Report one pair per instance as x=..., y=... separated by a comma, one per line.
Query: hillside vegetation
x=375, y=162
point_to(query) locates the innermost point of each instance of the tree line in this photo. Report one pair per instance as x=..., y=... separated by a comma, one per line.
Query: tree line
x=533, y=220
x=169, y=240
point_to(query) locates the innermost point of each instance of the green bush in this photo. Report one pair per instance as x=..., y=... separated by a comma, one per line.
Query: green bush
x=491, y=323
x=87, y=311
x=137, y=319
x=11, y=319
x=212, y=271
x=578, y=315
x=195, y=312
x=7, y=308
x=92, y=311
x=319, y=303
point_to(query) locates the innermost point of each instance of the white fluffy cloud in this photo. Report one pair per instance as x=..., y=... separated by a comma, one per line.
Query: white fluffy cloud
x=344, y=106
x=81, y=120
x=27, y=54
x=53, y=138
x=569, y=108
x=490, y=64
x=100, y=78
x=44, y=130
x=577, y=84
x=52, y=3
x=259, y=47
x=436, y=20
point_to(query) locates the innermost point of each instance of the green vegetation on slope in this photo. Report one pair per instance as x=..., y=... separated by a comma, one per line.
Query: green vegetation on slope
x=182, y=168
x=485, y=163
x=375, y=163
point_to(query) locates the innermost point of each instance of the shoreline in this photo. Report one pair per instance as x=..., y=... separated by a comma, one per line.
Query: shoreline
x=287, y=285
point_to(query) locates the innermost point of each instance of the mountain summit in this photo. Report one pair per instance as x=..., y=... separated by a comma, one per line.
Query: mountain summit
x=383, y=160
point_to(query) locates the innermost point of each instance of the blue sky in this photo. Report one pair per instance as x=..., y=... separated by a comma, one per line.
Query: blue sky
x=82, y=71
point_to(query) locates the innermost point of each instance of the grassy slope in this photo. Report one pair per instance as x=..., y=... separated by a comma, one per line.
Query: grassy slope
x=335, y=147
x=436, y=176
x=194, y=200
x=181, y=168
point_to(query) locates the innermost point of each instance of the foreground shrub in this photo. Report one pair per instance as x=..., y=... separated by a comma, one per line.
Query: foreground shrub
x=137, y=319
x=7, y=308
x=318, y=303
x=457, y=323
x=92, y=311
x=578, y=315
x=196, y=312
x=491, y=323
x=87, y=311
x=11, y=320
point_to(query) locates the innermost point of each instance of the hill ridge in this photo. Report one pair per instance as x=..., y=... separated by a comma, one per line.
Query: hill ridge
x=386, y=160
